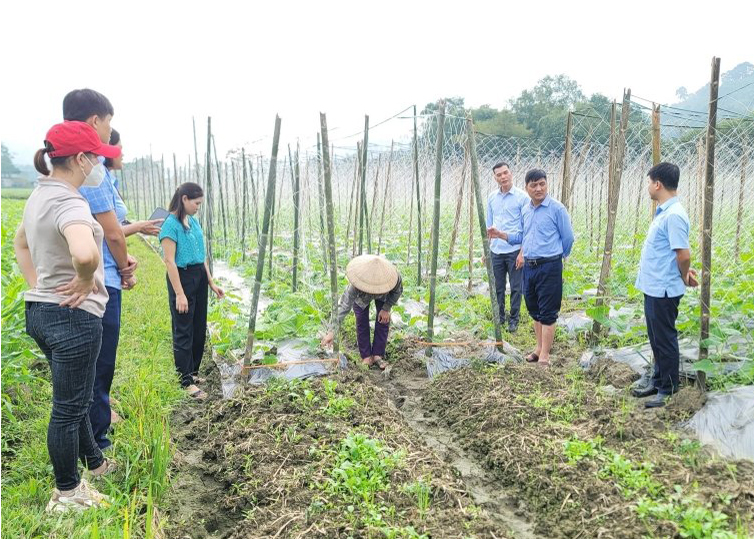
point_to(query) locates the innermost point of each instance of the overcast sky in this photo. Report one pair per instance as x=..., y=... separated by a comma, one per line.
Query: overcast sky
x=160, y=63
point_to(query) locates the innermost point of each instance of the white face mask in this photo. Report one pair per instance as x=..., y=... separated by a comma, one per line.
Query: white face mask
x=95, y=176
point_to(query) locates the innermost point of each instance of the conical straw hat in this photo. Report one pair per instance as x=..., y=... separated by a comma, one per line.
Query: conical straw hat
x=372, y=274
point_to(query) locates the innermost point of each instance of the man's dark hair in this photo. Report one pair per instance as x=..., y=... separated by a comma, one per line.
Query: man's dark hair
x=80, y=105
x=535, y=175
x=667, y=174
x=114, y=139
x=500, y=165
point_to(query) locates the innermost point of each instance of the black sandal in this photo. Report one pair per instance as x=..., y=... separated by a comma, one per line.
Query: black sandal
x=532, y=358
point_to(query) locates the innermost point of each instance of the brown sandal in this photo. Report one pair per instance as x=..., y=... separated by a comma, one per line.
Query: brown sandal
x=381, y=363
x=532, y=358
x=368, y=361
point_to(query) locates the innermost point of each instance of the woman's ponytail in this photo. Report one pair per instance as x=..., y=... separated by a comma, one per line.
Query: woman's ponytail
x=39, y=162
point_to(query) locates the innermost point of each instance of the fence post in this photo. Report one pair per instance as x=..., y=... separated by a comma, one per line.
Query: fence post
x=435, y=226
x=457, y=220
x=262, y=245
x=418, y=206
x=210, y=196
x=615, y=173
x=330, y=233
x=656, y=154
x=384, y=200
x=709, y=193
x=471, y=145
x=565, y=195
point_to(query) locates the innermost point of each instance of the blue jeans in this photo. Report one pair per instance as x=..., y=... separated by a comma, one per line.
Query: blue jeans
x=543, y=290
x=70, y=339
x=504, y=265
x=661, y=314
x=99, y=411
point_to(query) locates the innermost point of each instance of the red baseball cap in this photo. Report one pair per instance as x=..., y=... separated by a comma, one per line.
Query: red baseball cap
x=70, y=138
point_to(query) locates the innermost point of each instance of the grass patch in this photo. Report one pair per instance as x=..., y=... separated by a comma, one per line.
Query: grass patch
x=145, y=385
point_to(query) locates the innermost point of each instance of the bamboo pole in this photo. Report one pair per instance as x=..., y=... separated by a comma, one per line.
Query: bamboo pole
x=740, y=212
x=330, y=233
x=273, y=217
x=321, y=199
x=436, y=225
x=296, y=218
x=709, y=197
x=352, y=196
x=656, y=149
x=175, y=171
x=262, y=246
x=209, y=196
x=565, y=195
x=196, y=154
x=384, y=198
x=410, y=223
x=616, y=172
x=471, y=145
x=364, y=213
x=418, y=205
x=255, y=196
x=244, y=192
x=471, y=238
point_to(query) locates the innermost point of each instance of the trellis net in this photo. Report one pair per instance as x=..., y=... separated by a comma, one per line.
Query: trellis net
x=390, y=208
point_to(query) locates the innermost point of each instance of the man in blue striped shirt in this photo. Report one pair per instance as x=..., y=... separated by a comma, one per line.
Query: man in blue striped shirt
x=664, y=273
x=546, y=239
x=504, y=213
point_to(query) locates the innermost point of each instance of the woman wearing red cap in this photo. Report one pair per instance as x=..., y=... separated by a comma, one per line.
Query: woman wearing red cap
x=59, y=251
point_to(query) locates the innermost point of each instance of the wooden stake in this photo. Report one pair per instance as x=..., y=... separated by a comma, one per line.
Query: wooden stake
x=616, y=172
x=471, y=146
x=436, y=225
x=740, y=213
x=709, y=198
x=321, y=199
x=244, y=192
x=384, y=199
x=296, y=217
x=565, y=195
x=330, y=234
x=457, y=219
x=364, y=212
x=656, y=154
x=262, y=245
x=418, y=205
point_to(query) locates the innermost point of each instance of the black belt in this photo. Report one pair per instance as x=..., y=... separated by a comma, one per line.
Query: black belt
x=534, y=262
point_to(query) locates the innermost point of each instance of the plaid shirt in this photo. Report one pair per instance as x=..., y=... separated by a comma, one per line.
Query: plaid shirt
x=362, y=299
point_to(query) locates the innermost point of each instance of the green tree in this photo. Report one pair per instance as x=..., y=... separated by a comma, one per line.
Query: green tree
x=551, y=97
x=7, y=165
x=498, y=122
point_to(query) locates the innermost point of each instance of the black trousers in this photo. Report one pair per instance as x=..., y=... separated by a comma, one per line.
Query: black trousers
x=661, y=314
x=543, y=290
x=504, y=266
x=190, y=328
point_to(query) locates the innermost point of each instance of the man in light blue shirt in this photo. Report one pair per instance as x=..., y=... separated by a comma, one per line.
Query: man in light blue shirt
x=504, y=213
x=664, y=273
x=546, y=238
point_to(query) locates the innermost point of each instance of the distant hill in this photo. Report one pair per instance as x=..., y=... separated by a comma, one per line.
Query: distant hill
x=736, y=94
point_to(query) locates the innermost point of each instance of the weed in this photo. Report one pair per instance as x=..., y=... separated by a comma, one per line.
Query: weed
x=576, y=449
x=421, y=490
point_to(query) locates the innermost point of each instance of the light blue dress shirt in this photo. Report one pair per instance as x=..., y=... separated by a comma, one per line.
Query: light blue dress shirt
x=504, y=212
x=102, y=199
x=547, y=230
x=658, y=267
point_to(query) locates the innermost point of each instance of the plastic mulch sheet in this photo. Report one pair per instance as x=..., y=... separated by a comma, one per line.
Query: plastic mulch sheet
x=294, y=350
x=451, y=358
x=726, y=422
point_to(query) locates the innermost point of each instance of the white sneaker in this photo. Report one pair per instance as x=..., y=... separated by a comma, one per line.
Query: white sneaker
x=82, y=497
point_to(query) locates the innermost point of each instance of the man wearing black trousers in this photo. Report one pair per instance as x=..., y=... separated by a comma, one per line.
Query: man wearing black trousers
x=664, y=273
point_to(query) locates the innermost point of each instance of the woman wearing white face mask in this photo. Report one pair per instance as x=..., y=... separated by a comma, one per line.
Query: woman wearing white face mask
x=58, y=247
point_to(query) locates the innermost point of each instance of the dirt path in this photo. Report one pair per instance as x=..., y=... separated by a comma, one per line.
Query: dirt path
x=406, y=391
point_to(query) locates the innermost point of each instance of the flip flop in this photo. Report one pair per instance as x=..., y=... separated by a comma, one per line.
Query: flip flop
x=532, y=358
x=368, y=361
x=196, y=393
x=381, y=363
x=198, y=380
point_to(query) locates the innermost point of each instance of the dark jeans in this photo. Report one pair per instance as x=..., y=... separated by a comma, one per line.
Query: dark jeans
x=190, y=328
x=99, y=411
x=368, y=348
x=70, y=339
x=504, y=266
x=661, y=314
x=543, y=290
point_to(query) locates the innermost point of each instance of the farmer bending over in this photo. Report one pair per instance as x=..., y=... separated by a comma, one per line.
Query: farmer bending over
x=371, y=277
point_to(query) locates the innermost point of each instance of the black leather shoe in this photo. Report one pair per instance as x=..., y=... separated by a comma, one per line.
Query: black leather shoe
x=658, y=401
x=512, y=327
x=641, y=392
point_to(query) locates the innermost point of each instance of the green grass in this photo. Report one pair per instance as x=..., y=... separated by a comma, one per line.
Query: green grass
x=145, y=385
x=20, y=193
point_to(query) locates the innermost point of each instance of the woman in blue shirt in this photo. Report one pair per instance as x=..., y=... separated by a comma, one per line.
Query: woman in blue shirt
x=188, y=278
